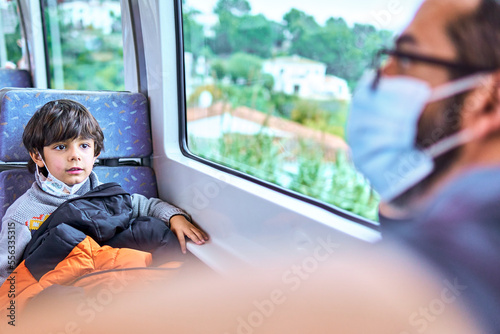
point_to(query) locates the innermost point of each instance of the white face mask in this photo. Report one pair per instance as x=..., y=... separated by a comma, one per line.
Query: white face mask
x=382, y=129
x=53, y=186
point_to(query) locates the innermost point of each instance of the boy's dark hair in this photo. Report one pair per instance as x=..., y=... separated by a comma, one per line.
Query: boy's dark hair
x=58, y=121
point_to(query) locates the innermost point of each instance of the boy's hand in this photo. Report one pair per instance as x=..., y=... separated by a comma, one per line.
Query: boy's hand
x=182, y=228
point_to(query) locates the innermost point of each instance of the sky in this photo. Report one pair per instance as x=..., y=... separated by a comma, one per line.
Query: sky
x=392, y=15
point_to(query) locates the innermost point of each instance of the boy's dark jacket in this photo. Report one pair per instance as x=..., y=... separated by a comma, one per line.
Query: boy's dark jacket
x=88, y=234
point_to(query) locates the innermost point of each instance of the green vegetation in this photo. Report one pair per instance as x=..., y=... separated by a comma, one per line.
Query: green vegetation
x=326, y=116
x=305, y=171
x=13, y=36
x=14, y=52
x=236, y=50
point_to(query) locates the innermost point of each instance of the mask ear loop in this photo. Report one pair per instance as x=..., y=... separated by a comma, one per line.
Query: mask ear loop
x=443, y=92
x=458, y=86
x=40, y=156
x=450, y=143
x=44, y=165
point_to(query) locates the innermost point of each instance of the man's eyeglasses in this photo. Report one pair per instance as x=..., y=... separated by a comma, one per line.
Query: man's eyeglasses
x=406, y=57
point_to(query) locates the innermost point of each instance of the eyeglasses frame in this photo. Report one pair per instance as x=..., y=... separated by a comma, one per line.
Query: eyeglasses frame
x=425, y=59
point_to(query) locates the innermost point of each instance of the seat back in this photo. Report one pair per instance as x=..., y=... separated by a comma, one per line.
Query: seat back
x=15, y=78
x=123, y=117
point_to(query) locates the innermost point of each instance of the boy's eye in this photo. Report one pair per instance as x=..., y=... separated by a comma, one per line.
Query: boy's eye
x=60, y=147
x=85, y=145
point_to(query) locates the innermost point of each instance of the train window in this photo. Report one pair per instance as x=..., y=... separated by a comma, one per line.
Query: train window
x=268, y=87
x=12, y=46
x=84, y=43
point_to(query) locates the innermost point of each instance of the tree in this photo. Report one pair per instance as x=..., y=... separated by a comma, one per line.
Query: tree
x=238, y=31
x=346, y=51
x=218, y=68
x=235, y=7
x=277, y=33
x=13, y=36
x=252, y=34
x=244, y=66
x=14, y=51
x=194, y=39
x=221, y=44
x=298, y=22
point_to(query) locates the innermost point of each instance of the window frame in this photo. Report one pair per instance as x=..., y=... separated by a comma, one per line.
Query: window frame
x=45, y=32
x=184, y=147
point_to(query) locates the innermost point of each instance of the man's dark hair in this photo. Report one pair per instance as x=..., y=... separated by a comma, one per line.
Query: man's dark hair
x=476, y=38
x=59, y=121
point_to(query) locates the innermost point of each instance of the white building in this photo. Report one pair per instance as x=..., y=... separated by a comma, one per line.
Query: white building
x=336, y=87
x=306, y=78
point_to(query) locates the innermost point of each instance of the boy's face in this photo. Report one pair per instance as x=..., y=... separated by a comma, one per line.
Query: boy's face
x=69, y=161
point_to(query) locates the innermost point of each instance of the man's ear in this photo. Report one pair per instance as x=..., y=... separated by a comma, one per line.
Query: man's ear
x=481, y=112
x=37, y=158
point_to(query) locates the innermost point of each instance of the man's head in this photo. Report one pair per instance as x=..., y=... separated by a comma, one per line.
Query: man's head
x=466, y=33
x=64, y=137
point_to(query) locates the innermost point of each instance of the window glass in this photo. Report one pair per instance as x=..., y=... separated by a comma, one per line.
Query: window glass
x=12, y=44
x=269, y=85
x=84, y=41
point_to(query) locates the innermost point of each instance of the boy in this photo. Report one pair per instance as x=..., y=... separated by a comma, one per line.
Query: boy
x=64, y=140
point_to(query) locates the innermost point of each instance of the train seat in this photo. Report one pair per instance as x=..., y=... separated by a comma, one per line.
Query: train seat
x=123, y=116
x=15, y=78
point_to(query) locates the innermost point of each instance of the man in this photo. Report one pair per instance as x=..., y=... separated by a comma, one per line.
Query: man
x=425, y=130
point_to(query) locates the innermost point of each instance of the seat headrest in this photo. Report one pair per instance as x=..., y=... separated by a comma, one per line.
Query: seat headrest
x=15, y=78
x=123, y=117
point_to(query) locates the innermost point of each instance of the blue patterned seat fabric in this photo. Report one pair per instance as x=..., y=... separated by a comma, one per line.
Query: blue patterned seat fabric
x=134, y=179
x=123, y=117
x=15, y=78
x=13, y=183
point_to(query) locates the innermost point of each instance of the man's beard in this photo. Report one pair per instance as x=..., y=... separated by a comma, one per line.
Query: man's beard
x=432, y=128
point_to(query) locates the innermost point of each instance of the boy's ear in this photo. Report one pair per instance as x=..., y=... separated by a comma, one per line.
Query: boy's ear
x=36, y=157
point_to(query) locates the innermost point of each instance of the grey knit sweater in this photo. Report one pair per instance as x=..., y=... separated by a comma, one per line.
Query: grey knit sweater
x=34, y=206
